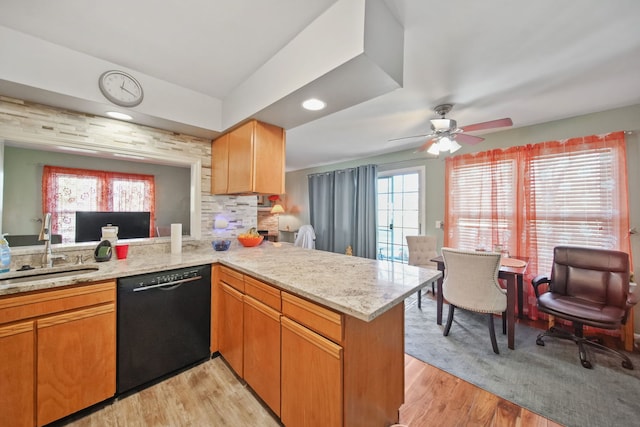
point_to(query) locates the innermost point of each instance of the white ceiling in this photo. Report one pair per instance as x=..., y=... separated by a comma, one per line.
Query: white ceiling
x=533, y=61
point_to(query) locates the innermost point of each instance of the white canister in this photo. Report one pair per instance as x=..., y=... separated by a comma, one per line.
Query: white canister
x=110, y=233
x=176, y=238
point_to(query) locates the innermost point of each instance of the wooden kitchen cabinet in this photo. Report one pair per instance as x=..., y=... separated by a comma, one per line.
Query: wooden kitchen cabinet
x=262, y=351
x=231, y=328
x=328, y=356
x=335, y=370
x=75, y=361
x=246, y=322
x=17, y=373
x=312, y=363
x=312, y=392
x=220, y=165
x=66, y=338
x=253, y=158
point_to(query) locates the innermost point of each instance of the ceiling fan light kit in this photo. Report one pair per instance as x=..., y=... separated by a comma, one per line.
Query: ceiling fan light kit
x=443, y=145
x=444, y=132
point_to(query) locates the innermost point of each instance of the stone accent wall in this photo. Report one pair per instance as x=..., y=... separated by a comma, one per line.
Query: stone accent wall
x=22, y=121
x=268, y=221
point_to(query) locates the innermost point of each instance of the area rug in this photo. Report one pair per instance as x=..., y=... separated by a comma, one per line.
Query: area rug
x=548, y=380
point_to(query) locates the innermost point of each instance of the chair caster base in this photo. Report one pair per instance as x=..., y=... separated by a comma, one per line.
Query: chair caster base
x=582, y=343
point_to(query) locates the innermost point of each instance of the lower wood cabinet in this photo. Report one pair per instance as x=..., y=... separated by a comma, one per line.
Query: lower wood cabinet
x=75, y=355
x=311, y=378
x=57, y=352
x=262, y=351
x=312, y=365
x=17, y=374
x=231, y=328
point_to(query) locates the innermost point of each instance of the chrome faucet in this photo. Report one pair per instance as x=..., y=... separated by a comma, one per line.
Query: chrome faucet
x=45, y=235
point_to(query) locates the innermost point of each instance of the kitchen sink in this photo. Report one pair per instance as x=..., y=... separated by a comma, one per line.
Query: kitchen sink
x=24, y=276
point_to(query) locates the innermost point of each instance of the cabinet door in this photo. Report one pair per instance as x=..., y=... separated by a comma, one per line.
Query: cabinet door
x=76, y=361
x=17, y=372
x=311, y=378
x=231, y=328
x=241, y=159
x=269, y=152
x=262, y=351
x=220, y=165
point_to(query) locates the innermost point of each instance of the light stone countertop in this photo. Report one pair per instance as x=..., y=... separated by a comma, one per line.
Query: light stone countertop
x=359, y=287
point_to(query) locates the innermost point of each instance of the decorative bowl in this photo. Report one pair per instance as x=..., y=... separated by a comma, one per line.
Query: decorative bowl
x=221, y=245
x=250, y=241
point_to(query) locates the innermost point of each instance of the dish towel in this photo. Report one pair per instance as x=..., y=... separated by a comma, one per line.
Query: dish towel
x=306, y=237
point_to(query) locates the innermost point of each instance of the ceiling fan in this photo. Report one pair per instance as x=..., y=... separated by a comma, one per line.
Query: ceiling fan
x=445, y=133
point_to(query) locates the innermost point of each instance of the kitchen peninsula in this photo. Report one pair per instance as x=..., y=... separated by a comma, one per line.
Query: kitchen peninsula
x=364, y=298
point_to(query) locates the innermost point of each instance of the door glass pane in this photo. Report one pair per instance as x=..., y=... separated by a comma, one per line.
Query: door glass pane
x=398, y=214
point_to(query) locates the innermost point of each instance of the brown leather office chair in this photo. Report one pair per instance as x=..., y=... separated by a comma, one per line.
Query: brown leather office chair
x=587, y=287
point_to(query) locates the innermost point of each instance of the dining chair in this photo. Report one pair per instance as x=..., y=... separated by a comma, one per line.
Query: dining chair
x=471, y=283
x=587, y=286
x=421, y=250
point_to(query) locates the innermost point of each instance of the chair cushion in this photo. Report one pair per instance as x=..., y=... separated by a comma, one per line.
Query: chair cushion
x=582, y=311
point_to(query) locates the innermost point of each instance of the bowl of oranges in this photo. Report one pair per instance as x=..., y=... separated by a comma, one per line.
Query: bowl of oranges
x=250, y=238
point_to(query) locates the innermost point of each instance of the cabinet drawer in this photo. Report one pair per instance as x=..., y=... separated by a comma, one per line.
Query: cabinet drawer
x=41, y=303
x=319, y=319
x=232, y=278
x=264, y=293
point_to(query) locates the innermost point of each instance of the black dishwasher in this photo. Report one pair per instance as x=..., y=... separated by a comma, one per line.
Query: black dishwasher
x=164, y=323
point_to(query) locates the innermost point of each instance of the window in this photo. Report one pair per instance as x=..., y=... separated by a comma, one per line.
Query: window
x=575, y=201
x=532, y=198
x=477, y=191
x=399, y=213
x=67, y=190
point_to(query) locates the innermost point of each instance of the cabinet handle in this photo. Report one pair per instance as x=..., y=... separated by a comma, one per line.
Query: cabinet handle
x=75, y=315
x=18, y=328
x=320, y=342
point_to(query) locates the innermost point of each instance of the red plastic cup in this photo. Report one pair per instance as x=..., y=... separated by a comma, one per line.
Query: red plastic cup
x=121, y=251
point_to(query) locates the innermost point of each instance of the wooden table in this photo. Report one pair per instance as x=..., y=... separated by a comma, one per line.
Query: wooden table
x=514, y=278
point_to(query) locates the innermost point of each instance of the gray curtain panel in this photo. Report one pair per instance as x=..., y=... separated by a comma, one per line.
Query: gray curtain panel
x=343, y=211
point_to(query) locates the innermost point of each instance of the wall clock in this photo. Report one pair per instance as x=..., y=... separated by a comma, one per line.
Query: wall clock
x=120, y=88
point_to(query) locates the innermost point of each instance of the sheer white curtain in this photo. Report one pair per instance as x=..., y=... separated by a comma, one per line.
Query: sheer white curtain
x=342, y=206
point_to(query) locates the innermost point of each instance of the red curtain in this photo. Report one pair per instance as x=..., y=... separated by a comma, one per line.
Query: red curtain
x=67, y=190
x=534, y=197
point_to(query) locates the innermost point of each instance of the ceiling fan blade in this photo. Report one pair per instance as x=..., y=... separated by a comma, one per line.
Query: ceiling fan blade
x=425, y=146
x=488, y=125
x=409, y=137
x=468, y=139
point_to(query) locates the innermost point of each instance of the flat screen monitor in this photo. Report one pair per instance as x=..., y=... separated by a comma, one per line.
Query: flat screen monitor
x=131, y=225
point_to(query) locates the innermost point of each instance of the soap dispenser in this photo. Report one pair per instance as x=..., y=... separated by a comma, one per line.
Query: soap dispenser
x=5, y=255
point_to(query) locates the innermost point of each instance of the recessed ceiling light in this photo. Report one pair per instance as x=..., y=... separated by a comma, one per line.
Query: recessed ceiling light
x=119, y=116
x=313, y=104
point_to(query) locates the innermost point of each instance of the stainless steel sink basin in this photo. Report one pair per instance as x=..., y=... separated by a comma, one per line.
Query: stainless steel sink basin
x=45, y=273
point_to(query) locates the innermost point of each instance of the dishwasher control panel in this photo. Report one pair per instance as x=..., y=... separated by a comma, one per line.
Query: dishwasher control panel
x=168, y=277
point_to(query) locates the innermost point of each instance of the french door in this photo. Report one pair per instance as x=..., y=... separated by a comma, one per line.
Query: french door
x=400, y=209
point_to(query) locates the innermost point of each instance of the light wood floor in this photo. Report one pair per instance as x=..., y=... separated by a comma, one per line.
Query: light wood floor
x=210, y=395
x=436, y=398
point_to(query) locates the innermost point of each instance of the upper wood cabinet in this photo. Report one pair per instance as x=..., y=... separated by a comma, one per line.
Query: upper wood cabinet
x=220, y=165
x=249, y=159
